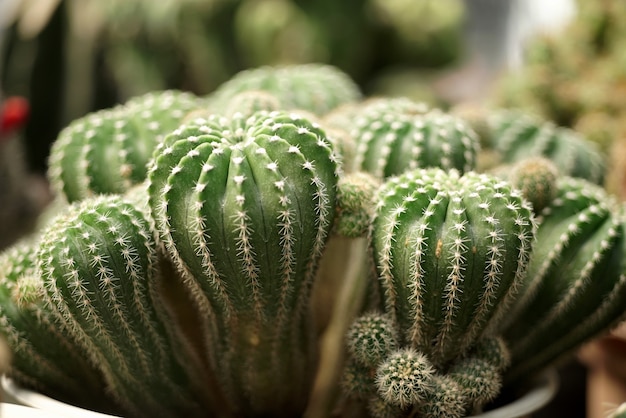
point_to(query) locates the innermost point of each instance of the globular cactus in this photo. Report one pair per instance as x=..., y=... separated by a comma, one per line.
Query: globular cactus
x=355, y=204
x=450, y=251
x=106, y=152
x=537, y=179
x=99, y=265
x=245, y=216
x=519, y=136
x=317, y=88
x=44, y=357
x=576, y=283
x=392, y=137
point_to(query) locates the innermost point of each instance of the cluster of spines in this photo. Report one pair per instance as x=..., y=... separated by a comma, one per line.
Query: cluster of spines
x=520, y=136
x=245, y=215
x=395, y=381
x=98, y=261
x=392, y=137
x=106, y=152
x=421, y=230
x=317, y=88
x=576, y=285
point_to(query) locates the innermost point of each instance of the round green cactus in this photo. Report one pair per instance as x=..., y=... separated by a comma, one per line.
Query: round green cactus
x=449, y=251
x=405, y=378
x=106, y=152
x=44, y=356
x=447, y=399
x=479, y=379
x=576, y=282
x=393, y=137
x=317, y=88
x=519, y=136
x=371, y=338
x=536, y=178
x=98, y=261
x=245, y=215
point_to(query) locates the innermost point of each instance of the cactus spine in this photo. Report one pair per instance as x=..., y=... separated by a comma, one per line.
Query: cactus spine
x=245, y=215
x=450, y=250
x=98, y=261
x=576, y=282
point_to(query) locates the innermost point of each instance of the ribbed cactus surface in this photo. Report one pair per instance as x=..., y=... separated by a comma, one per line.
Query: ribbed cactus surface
x=449, y=251
x=44, y=356
x=317, y=88
x=245, y=215
x=107, y=151
x=392, y=136
x=98, y=261
x=519, y=136
x=576, y=282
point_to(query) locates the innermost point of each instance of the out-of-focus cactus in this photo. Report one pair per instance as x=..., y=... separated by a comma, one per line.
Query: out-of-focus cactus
x=107, y=151
x=99, y=265
x=517, y=136
x=245, y=215
x=316, y=88
x=575, y=288
x=394, y=136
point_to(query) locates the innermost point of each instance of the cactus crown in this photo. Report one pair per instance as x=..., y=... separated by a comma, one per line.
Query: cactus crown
x=393, y=136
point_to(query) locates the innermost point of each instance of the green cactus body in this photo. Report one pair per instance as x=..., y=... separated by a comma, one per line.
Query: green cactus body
x=245, y=216
x=450, y=250
x=536, y=178
x=317, y=88
x=576, y=283
x=44, y=357
x=106, y=152
x=394, y=138
x=98, y=261
x=521, y=136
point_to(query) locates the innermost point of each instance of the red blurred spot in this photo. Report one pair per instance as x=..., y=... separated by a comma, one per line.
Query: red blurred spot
x=13, y=114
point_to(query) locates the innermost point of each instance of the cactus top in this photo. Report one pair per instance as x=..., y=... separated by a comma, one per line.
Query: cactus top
x=449, y=250
x=317, y=88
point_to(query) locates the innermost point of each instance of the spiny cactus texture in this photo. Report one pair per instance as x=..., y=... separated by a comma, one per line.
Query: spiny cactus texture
x=519, y=136
x=449, y=250
x=317, y=88
x=393, y=137
x=98, y=261
x=245, y=215
x=44, y=357
x=355, y=204
x=576, y=282
x=107, y=151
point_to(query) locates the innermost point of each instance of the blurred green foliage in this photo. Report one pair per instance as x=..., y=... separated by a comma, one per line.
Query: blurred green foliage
x=75, y=56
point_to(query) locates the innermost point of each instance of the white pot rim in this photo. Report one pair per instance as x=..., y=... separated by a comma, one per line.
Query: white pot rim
x=36, y=400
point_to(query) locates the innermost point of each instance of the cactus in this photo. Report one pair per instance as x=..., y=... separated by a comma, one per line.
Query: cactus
x=371, y=338
x=355, y=204
x=450, y=251
x=393, y=137
x=107, y=151
x=536, y=178
x=519, y=136
x=576, y=283
x=44, y=357
x=317, y=88
x=245, y=216
x=98, y=261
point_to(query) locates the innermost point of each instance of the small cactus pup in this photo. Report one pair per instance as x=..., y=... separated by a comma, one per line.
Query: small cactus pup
x=245, y=215
x=519, y=136
x=576, y=283
x=317, y=88
x=98, y=261
x=106, y=152
x=44, y=357
x=450, y=250
x=391, y=139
